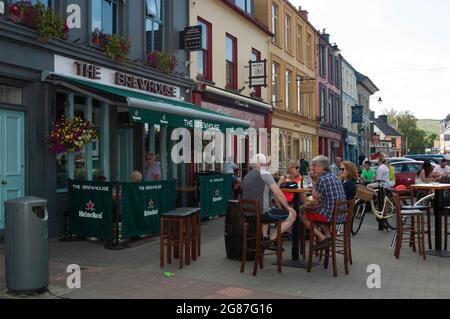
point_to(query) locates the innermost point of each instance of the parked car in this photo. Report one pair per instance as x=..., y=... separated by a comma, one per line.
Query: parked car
x=435, y=158
x=399, y=159
x=406, y=172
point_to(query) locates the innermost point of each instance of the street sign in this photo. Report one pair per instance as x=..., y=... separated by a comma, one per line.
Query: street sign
x=357, y=114
x=193, y=38
x=258, y=73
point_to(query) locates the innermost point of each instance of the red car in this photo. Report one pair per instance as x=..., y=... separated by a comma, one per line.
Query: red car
x=406, y=172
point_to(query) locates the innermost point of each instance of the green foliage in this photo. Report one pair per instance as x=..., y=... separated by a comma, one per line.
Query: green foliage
x=51, y=26
x=161, y=61
x=414, y=139
x=116, y=47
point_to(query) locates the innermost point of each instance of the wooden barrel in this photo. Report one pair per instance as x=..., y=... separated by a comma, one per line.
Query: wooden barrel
x=233, y=233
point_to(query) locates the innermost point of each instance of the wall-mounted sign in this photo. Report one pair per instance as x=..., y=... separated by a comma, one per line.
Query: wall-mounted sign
x=307, y=87
x=2, y=8
x=66, y=66
x=191, y=38
x=258, y=73
x=357, y=114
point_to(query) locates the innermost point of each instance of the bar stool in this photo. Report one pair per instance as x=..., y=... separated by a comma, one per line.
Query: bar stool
x=414, y=230
x=340, y=244
x=183, y=230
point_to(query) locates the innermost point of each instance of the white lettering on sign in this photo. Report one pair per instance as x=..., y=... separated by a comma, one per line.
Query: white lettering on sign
x=74, y=16
x=150, y=187
x=374, y=279
x=2, y=7
x=90, y=215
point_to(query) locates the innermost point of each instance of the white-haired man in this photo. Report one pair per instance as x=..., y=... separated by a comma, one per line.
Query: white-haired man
x=257, y=185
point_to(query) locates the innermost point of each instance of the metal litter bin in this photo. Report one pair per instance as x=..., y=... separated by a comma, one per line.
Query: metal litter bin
x=26, y=244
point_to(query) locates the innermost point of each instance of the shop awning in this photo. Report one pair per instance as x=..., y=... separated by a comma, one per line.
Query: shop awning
x=152, y=109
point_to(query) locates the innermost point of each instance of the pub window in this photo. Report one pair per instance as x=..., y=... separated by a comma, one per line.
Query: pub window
x=231, y=61
x=104, y=15
x=11, y=95
x=204, y=57
x=154, y=25
x=90, y=162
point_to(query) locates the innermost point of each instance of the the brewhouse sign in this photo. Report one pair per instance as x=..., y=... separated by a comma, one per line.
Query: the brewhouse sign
x=107, y=76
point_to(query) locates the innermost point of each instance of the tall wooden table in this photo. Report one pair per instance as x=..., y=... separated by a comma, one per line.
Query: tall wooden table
x=437, y=206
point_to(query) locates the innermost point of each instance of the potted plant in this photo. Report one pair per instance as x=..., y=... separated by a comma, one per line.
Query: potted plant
x=98, y=37
x=162, y=61
x=70, y=135
x=38, y=17
x=117, y=47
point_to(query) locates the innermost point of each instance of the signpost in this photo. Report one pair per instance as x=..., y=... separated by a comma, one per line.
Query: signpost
x=257, y=73
x=357, y=114
x=192, y=38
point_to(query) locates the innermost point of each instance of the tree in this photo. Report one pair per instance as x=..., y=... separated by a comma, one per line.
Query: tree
x=430, y=140
x=414, y=139
x=447, y=118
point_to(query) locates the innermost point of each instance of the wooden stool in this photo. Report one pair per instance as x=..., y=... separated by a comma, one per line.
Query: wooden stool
x=340, y=243
x=183, y=229
x=251, y=213
x=414, y=230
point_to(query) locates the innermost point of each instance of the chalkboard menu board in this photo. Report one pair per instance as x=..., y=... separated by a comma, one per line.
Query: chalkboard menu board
x=193, y=38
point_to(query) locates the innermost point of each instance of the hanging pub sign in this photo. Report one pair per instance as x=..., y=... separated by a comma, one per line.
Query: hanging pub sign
x=257, y=73
x=191, y=38
x=357, y=114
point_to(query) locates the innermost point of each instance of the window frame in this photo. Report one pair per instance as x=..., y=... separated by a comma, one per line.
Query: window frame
x=288, y=33
x=207, y=53
x=309, y=44
x=275, y=22
x=288, y=90
x=115, y=17
x=299, y=44
x=275, y=83
x=154, y=19
x=234, y=76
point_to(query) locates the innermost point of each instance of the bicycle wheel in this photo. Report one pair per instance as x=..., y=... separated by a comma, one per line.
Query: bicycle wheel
x=389, y=213
x=358, y=216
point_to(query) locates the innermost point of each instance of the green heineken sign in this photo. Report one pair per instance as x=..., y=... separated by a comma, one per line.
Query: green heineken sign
x=91, y=209
x=215, y=192
x=141, y=205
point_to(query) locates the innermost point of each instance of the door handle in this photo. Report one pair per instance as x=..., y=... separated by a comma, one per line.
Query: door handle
x=4, y=182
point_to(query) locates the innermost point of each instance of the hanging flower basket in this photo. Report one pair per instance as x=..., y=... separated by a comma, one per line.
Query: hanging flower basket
x=116, y=47
x=70, y=135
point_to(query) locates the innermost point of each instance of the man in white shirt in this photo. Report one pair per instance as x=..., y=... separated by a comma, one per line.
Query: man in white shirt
x=382, y=175
x=441, y=170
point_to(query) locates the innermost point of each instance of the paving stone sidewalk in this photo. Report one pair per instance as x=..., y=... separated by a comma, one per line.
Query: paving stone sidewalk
x=135, y=272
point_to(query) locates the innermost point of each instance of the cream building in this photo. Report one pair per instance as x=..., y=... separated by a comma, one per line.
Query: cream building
x=232, y=37
x=292, y=60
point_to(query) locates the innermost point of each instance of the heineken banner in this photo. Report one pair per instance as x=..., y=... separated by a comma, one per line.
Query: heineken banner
x=215, y=192
x=91, y=209
x=141, y=205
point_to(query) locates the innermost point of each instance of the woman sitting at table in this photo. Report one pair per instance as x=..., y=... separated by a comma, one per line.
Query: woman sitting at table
x=292, y=176
x=349, y=178
x=424, y=175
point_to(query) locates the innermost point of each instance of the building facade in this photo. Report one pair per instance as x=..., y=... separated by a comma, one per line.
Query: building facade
x=128, y=101
x=292, y=75
x=349, y=101
x=232, y=37
x=444, y=137
x=366, y=88
x=385, y=138
x=329, y=97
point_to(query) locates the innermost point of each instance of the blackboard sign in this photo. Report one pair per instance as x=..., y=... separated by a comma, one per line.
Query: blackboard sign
x=193, y=38
x=258, y=73
x=357, y=114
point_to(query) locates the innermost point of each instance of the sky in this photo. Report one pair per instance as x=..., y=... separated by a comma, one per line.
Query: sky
x=403, y=46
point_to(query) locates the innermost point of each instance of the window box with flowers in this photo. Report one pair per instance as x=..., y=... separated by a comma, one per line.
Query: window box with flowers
x=162, y=61
x=116, y=47
x=71, y=135
x=48, y=24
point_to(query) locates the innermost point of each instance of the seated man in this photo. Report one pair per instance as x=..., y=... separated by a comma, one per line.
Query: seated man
x=257, y=185
x=327, y=189
x=441, y=170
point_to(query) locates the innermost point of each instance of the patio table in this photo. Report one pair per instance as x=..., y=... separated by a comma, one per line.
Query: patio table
x=437, y=206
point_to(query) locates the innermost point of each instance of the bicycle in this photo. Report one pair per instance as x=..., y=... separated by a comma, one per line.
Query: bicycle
x=365, y=202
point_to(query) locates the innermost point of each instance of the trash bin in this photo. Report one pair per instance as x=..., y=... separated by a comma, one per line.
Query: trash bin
x=26, y=244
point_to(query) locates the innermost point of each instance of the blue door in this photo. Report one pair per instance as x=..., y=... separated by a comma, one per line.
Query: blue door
x=125, y=154
x=12, y=158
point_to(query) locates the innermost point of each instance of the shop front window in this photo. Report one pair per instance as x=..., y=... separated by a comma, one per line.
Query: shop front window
x=11, y=95
x=89, y=162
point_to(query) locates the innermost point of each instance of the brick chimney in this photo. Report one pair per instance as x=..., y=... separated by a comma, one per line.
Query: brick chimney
x=303, y=13
x=325, y=36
